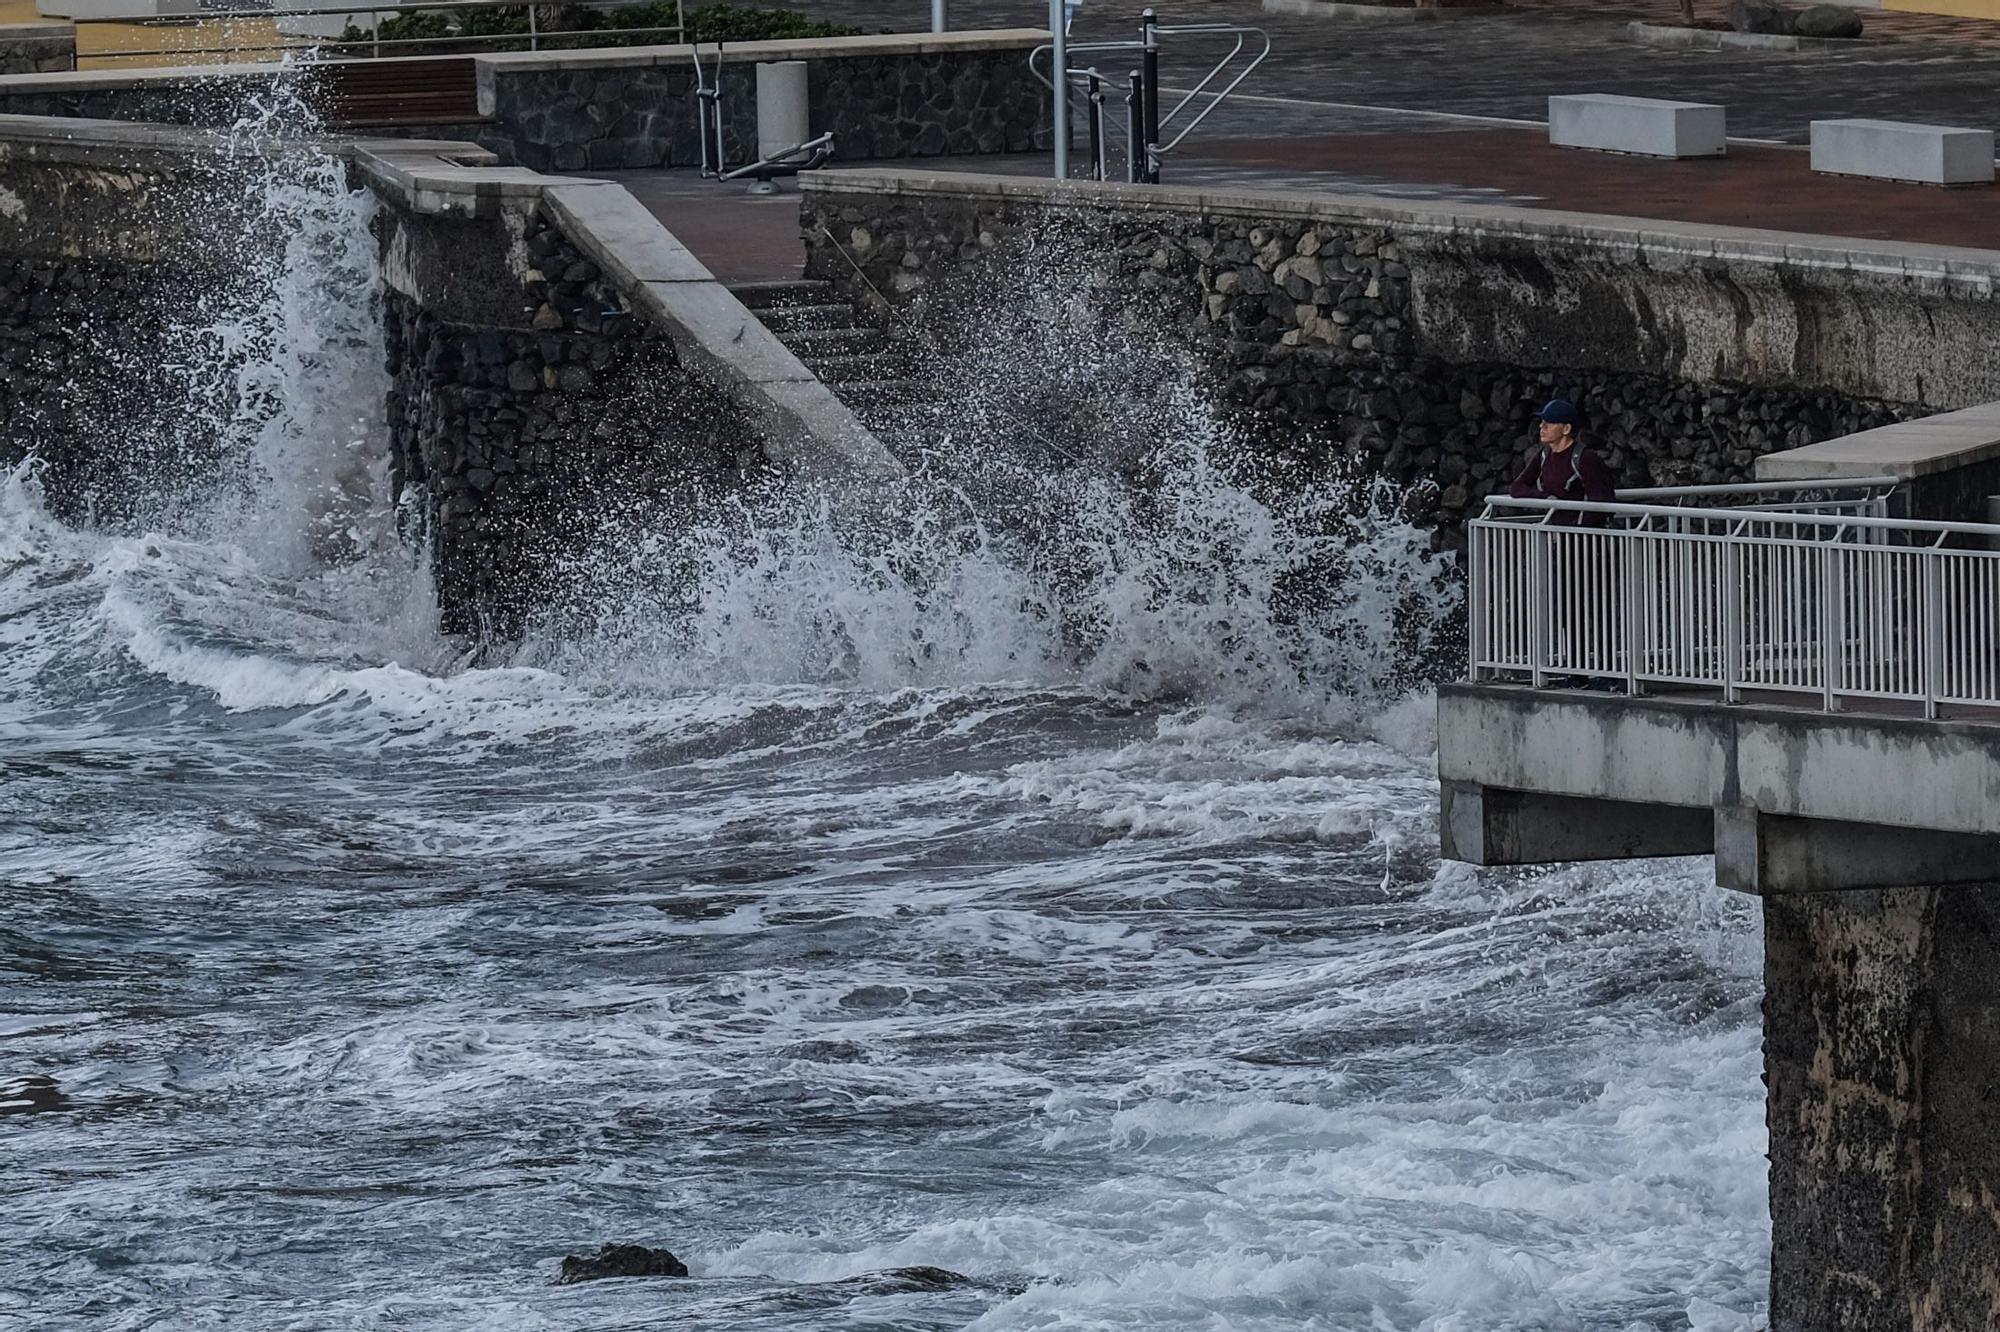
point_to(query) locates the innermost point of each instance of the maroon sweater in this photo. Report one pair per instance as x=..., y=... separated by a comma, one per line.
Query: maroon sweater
x=1574, y=474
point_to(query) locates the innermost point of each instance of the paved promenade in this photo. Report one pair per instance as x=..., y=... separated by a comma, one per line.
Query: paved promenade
x=1454, y=110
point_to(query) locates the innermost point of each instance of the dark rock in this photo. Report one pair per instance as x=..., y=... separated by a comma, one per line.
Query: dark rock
x=1762, y=16
x=1831, y=21
x=621, y=1260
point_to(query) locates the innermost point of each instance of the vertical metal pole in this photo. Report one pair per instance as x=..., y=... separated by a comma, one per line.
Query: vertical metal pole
x=1135, y=125
x=1932, y=565
x=1830, y=626
x=1540, y=591
x=1634, y=548
x=1096, y=87
x=1732, y=618
x=1149, y=35
x=1476, y=598
x=534, y=32
x=1059, y=76
x=938, y=16
x=375, y=31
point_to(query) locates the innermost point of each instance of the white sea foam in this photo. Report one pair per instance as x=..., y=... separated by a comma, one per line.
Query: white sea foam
x=1050, y=900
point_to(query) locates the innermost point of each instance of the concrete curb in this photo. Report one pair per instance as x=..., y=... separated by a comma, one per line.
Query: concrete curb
x=1660, y=241
x=804, y=425
x=488, y=65
x=1703, y=39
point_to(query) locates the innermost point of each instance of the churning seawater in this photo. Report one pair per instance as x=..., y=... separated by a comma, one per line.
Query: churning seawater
x=1046, y=896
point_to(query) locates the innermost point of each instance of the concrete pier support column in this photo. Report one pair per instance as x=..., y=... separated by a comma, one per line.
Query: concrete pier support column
x=1882, y=1056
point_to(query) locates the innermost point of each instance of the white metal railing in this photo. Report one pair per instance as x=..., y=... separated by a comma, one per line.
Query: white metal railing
x=1841, y=605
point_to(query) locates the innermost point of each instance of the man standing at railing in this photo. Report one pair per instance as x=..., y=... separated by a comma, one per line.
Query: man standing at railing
x=1563, y=469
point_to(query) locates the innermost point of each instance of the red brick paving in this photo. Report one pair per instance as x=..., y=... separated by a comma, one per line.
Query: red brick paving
x=1773, y=188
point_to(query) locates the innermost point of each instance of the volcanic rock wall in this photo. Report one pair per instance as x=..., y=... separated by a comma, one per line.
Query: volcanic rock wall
x=1419, y=339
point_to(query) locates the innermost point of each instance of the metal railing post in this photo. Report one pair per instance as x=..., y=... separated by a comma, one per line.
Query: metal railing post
x=1634, y=548
x=1539, y=628
x=534, y=31
x=1149, y=60
x=1135, y=120
x=1477, y=601
x=938, y=23
x=1932, y=565
x=1096, y=100
x=1059, y=76
x=1830, y=625
x=1732, y=618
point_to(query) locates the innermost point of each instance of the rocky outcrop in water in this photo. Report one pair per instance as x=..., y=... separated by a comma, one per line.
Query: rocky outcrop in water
x=620, y=1260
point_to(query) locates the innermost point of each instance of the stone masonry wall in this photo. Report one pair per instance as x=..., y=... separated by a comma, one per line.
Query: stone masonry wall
x=1316, y=327
x=570, y=111
x=533, y=439
x=37, y=48
x=920, y=105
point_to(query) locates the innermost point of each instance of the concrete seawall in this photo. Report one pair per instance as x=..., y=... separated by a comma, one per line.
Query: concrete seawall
x=556, y=358
x=1417, y=338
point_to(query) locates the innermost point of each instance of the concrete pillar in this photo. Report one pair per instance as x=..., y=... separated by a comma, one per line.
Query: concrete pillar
x=1882, y=1058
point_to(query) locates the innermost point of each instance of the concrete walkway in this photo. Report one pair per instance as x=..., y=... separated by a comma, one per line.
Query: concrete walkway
x=745, y=238
x=1507, y=62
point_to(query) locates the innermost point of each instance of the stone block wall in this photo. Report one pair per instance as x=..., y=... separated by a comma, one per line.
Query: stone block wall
x=883, y=97
x=531, y=438
x=575, y=113
x=37, y=48
x=1377, y=335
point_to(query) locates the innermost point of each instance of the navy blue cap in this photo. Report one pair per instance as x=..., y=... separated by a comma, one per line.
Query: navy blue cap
x=1560, y=411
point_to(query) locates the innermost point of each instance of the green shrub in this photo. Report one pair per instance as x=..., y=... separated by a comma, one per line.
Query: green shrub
x=423, y=25
x=734, y=23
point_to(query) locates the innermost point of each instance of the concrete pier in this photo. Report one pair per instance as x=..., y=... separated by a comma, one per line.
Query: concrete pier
x=1875, y=845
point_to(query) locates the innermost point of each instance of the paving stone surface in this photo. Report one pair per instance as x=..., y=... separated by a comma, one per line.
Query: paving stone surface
x=1508, y=62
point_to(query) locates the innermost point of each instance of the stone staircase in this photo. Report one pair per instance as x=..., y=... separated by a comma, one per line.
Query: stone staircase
x=855, y=357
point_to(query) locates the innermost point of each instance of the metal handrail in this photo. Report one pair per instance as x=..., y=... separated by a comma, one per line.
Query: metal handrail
x=1241, y=31
x=1990, y=531
x=1147, y=47
x=1870, y=483
x=534, y=36
x=1738, y=600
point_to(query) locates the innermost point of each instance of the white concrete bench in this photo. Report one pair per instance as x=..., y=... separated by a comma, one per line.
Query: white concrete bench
x=1643, y=125
x=1894, y=150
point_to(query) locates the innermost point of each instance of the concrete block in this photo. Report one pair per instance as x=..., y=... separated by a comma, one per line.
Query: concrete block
x=1894, y=150
x=1647, y=126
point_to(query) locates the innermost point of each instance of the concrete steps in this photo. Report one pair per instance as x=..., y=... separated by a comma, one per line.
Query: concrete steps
x=851, y=355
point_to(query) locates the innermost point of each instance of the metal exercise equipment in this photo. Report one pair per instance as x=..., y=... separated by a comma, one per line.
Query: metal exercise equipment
x=1144, y=125
x=781, y=89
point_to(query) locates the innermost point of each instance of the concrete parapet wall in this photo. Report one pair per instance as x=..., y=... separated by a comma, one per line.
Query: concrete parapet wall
x=1882, y=320
x=914, y=95
x=37, y=48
